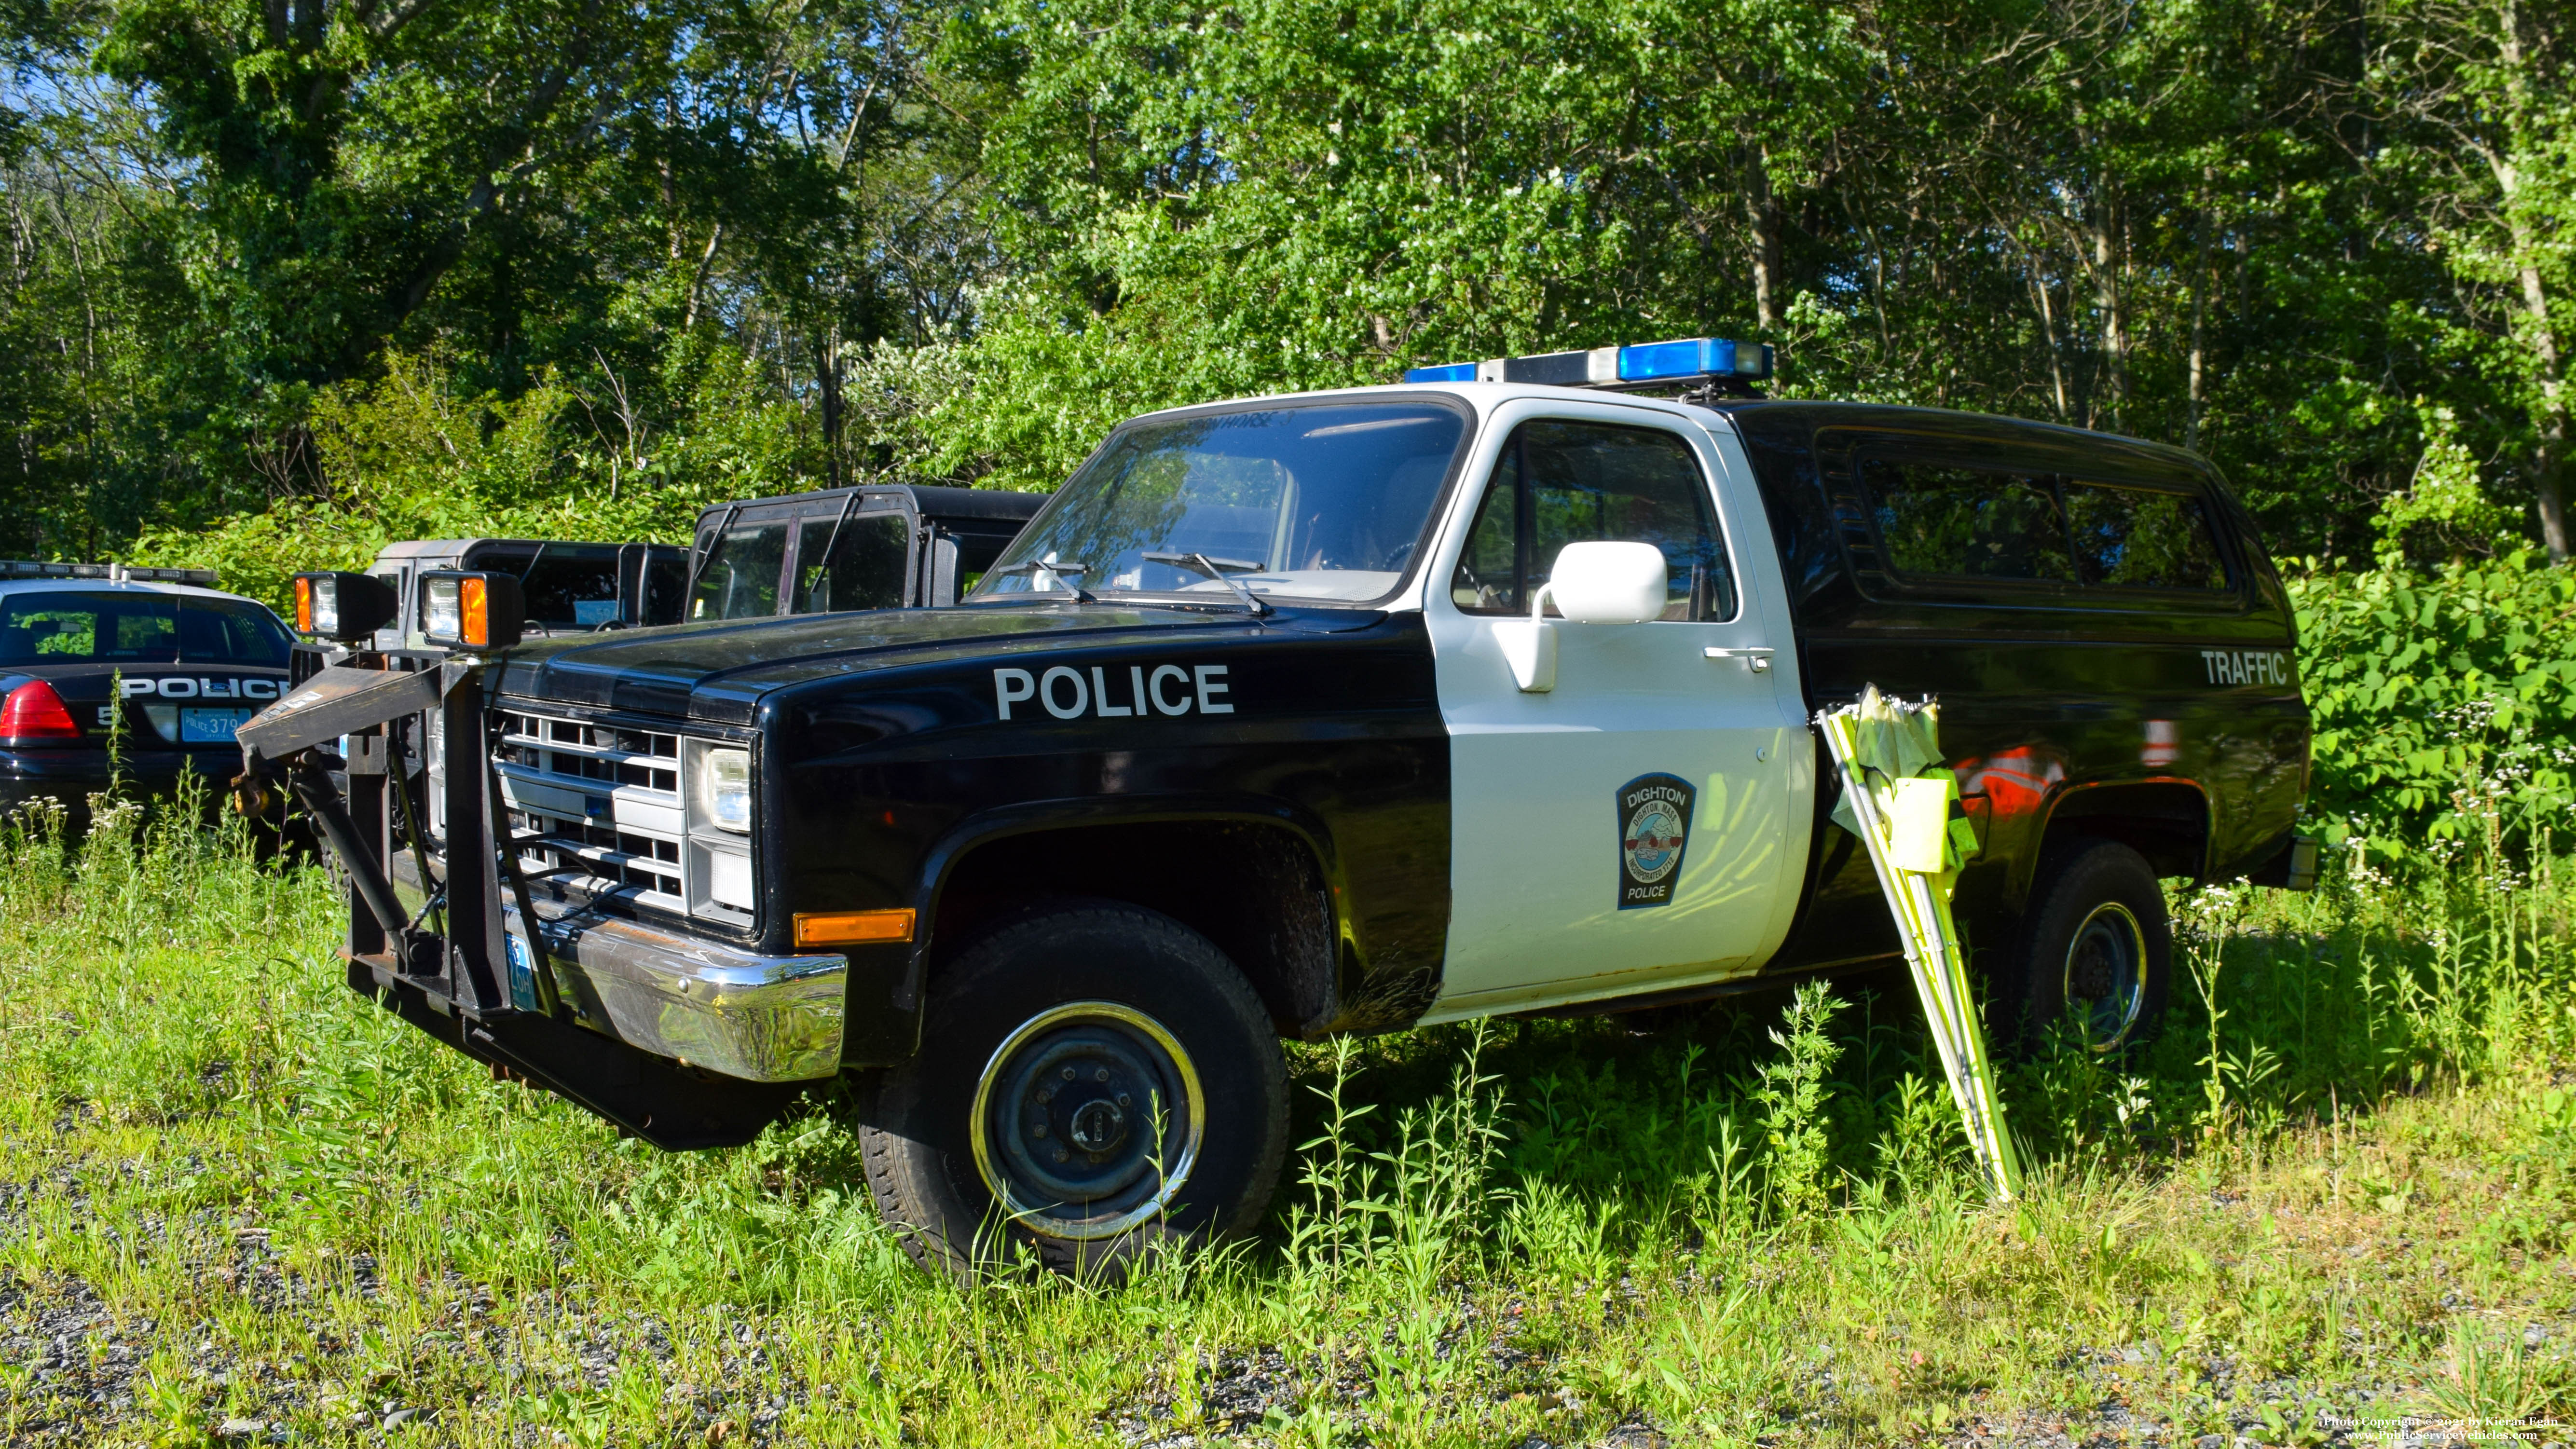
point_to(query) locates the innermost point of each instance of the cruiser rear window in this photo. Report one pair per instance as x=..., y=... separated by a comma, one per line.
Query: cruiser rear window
x=1321, y=501
x=62, y=627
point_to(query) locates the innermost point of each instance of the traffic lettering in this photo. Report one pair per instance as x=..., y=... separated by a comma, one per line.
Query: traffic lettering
x=2246, y=666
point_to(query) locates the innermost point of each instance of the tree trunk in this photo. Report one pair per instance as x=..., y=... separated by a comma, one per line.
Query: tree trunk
x=2549, y=411
x=829, y=373
x=2108, y=255
x=2197, y=390
x=2048, y=335
x=2549, y=415
x=1762, y=210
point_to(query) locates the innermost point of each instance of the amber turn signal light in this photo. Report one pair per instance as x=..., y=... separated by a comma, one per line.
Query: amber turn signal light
x=853, y=928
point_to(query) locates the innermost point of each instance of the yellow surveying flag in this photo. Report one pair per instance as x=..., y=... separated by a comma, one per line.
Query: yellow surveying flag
x=1898, y=798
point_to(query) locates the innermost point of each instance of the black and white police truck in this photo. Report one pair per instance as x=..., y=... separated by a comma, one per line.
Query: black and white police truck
x=1327, y=713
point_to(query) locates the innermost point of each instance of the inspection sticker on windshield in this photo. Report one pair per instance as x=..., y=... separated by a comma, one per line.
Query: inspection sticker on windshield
x=1112, y=691
x=1654, y=830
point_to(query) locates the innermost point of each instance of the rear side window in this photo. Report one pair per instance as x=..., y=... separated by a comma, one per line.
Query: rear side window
x=1561, y=482
x=865, y=569
x=113, y=629
x=2135, y=539
x=224, y=631
x=740, y=577
x=1939, y=519
x=1942, y=520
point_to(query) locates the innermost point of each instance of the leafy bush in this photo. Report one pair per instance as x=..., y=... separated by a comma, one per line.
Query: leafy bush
x=2445, y=702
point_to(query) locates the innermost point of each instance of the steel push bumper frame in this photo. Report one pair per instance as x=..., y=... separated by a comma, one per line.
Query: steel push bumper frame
x=685, y=1042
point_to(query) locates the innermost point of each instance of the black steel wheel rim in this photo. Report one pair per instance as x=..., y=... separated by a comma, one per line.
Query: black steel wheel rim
x=2106, y=975
x=1087, y=1119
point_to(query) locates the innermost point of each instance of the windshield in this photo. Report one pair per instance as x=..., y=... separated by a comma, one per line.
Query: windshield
x=739, y=579
x=53, y=627
x=1319, y=502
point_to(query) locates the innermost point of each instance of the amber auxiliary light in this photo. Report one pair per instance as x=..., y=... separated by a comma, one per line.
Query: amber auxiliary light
x=854, y=928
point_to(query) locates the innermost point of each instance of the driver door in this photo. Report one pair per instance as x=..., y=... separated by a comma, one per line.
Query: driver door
x=1630, y=829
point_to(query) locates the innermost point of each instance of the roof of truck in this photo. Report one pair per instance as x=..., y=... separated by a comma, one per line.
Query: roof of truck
x=450, y=547
x=930, y=501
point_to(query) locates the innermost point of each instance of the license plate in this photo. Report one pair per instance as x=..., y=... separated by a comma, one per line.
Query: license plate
x=210, y=726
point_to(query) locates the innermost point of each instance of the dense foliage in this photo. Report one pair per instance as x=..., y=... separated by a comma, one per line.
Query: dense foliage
x=2445, y=703
x=702, y=247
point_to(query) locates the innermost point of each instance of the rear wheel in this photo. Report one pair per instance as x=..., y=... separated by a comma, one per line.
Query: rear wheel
x=1091, y=1081
x=2095, y=951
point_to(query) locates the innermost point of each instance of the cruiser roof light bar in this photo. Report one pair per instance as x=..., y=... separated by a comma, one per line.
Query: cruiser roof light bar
x=26, y=568
x=1711, y=361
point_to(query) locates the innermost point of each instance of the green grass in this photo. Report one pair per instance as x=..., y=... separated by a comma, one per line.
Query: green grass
x=232, y=1192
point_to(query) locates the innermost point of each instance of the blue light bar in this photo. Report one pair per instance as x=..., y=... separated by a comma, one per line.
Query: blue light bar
x=1453, y=372
x=1685, y=359
x=1693, y=357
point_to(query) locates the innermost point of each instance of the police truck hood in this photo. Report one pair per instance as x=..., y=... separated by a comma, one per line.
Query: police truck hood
x=718, y=671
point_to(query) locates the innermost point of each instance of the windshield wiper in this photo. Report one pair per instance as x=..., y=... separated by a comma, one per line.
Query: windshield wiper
x=1215, y=568
x=1063, y=572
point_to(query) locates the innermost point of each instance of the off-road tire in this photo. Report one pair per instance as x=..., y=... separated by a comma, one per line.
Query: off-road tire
x=917, y=1136
x=2087, y=887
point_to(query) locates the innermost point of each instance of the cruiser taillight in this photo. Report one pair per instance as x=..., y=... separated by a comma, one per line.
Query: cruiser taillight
x=34, y=712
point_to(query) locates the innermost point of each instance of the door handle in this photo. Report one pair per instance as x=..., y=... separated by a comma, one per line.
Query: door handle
x=1756, y=659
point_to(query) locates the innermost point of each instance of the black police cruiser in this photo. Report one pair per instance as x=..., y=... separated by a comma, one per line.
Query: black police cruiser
x=86, y=647
x=1298, y=716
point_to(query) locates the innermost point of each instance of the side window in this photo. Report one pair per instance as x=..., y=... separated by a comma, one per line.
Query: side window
x=1942, y=519
x=664, y=578
x=740, y=577
x=569, y=592
x=2135, y=539
x=219, y=631
x=866, y=569
x=1562, y=482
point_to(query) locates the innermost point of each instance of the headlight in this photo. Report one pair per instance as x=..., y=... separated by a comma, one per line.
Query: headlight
x=724, y=789
x=346, y=608
x=442, y=610
x=475, y=611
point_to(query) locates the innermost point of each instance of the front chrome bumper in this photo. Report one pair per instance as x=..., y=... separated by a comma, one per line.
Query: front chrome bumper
x=759, y=1018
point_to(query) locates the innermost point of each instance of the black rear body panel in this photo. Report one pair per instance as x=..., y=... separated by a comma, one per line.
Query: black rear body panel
x=2047, y=694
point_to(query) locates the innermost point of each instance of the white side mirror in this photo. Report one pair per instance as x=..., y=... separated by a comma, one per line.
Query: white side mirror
x=1609, y=583
x=1593, y=583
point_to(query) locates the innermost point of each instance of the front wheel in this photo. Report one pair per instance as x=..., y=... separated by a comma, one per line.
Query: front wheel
x=1091, y=1081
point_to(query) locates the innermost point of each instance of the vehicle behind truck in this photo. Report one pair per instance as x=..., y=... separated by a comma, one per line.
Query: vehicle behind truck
x=887, y=546
x=138, y=674
x=1293, y=717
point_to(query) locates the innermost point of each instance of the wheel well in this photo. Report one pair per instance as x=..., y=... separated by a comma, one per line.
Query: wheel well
x=2168, y=823
x=1255, y=890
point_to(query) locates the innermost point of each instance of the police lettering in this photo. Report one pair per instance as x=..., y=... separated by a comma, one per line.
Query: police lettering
x=181, y=687
x=1105, y=692
x=2246, y=666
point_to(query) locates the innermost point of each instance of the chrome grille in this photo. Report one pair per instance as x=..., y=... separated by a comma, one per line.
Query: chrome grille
x=604, y=801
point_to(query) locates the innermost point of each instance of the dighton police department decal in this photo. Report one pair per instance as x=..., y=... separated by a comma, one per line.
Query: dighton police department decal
x=1654, y=829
